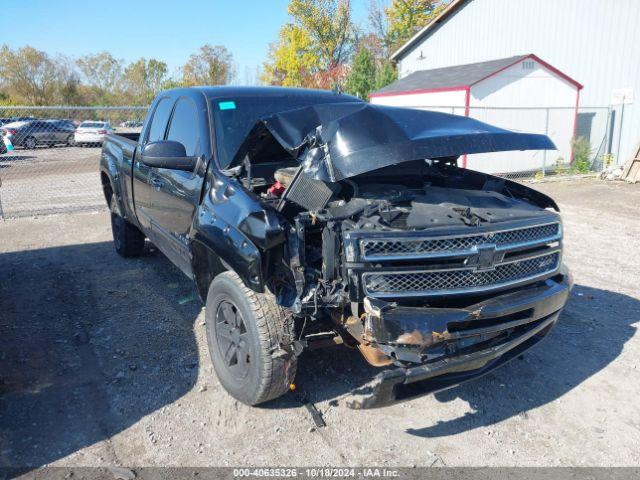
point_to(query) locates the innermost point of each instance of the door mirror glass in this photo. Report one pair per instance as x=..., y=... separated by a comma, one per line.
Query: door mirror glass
x=167, y=154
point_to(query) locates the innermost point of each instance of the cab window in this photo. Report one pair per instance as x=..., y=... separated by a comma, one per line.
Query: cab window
x=184, y=126
x=159, y=121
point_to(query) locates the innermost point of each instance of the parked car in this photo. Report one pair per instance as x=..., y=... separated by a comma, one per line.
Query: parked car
x=5, y=120
x=131, y=124
x=310, y=218
x=30, y=133
x=92, y=133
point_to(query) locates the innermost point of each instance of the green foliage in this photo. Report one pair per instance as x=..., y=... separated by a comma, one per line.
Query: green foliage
x=385, y=75
x=562, y=167
x=361, y=79
x=581, y=155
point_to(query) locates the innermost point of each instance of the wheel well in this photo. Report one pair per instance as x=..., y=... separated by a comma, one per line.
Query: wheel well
x=106, y=187
x=206, y=267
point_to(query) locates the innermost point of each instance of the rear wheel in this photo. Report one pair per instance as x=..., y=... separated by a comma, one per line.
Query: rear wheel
x=128, y=240
x=249, y=338
x=30, y=143
x=71, y=141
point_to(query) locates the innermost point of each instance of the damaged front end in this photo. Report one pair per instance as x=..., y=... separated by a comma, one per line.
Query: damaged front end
x=438, y=348
x=435, y=273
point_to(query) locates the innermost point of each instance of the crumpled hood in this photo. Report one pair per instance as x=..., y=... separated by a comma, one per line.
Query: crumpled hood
x=340, y=140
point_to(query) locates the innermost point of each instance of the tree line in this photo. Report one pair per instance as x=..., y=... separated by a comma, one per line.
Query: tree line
x=32, y=77
x=320, y=47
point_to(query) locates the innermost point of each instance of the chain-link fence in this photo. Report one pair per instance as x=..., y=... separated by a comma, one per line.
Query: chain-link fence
x=51, y=157
x=53, y=166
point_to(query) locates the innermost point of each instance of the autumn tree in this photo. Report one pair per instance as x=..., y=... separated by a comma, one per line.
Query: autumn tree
x=31, y=76
x=405, y=17
x=379, y=25
x=69, y=89
x=102, y=74
x=212, y=65
x=328, y=24
x=314, y=47
x=292, y=58
x=143, y=79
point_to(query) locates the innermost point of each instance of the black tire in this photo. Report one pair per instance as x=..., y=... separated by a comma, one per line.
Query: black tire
x=264, y=366
x=128, y=240
x=30, y=143
x=71, y=141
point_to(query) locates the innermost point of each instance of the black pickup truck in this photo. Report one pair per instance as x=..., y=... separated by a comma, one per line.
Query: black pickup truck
x=310, y=218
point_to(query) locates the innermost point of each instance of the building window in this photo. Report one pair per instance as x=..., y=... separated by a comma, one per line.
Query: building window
x=528, y=65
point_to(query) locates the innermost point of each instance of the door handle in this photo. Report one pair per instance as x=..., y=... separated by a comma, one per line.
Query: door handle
x=156, y=184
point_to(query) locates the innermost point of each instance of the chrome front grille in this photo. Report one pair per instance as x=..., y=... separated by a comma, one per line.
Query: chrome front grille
x=408, y=248
x=455, y=281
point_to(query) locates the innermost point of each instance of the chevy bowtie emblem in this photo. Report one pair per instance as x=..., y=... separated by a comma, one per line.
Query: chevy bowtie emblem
x=486, y=258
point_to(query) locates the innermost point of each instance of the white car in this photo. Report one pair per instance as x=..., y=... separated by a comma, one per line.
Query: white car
x=91, y=133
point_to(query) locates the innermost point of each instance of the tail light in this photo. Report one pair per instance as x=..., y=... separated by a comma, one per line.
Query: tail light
x=9, y=131
x=102, y=132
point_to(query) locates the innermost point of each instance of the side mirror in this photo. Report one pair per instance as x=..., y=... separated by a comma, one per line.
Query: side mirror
x=167, y=154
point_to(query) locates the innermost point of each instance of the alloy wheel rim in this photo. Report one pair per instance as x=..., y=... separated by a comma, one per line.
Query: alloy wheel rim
x=232, y=339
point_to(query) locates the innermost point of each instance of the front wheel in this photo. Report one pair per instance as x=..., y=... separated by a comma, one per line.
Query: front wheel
x=128, y=240
x=71, y=141
x=249, y=337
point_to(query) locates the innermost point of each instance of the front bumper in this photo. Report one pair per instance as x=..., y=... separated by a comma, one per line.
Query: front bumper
x=453, y=345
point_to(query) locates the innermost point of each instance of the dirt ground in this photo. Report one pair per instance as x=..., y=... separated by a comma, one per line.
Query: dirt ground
x=104, y=362
x=49, y=180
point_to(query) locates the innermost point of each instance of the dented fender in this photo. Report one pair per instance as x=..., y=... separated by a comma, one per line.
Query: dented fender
x=238, y=232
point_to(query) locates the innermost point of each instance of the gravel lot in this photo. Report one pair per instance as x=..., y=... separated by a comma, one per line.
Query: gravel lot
x=50, y=180
x=103, y=362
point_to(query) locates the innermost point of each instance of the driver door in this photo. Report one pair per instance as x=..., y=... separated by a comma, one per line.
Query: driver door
x=176, y=193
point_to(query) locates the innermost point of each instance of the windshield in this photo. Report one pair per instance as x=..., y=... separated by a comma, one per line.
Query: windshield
x=234, y=117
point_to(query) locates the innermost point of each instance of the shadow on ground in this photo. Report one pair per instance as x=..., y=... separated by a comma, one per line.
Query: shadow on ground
x=91, y=343
x=590, y=335
x=11, y=158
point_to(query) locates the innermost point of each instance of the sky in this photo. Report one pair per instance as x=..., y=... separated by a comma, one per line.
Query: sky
x=163, y=29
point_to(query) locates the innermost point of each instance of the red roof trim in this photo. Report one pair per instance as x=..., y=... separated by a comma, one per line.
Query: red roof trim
x=421, y=90
x=546, y=65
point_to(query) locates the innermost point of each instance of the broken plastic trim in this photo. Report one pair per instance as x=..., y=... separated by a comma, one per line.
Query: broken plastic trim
x=402, y=384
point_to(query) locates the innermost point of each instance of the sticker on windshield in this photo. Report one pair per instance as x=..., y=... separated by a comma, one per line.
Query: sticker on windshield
x=231, y=105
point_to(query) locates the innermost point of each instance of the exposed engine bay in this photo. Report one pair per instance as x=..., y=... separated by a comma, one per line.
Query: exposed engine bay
x=322, y=270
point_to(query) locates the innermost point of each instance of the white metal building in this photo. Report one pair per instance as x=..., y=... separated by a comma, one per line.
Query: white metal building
x=594, y=41
x=488, y=91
